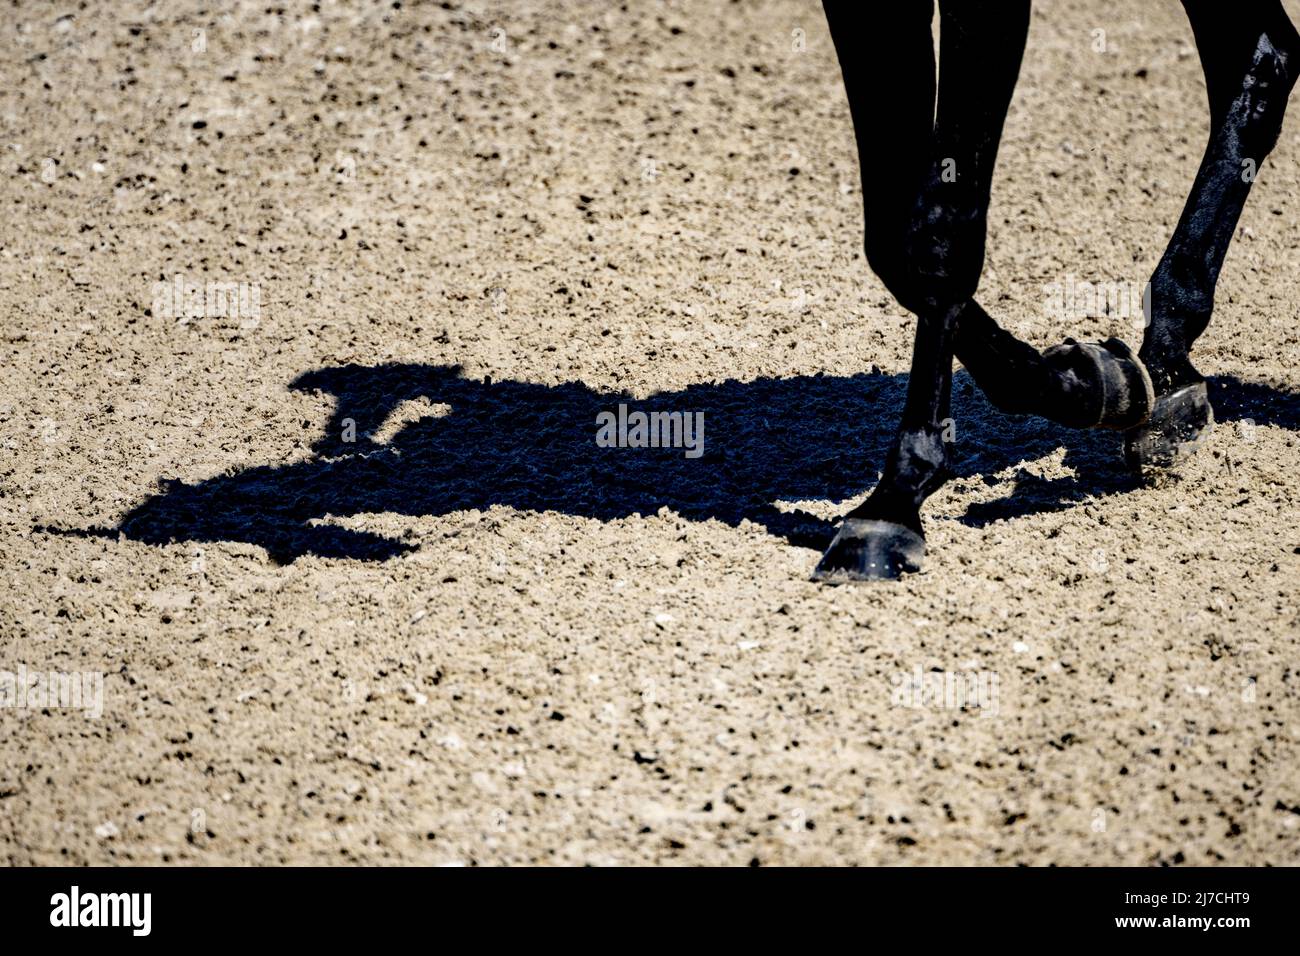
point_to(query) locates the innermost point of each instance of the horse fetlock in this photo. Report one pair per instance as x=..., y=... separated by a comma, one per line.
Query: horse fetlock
x=920, y=462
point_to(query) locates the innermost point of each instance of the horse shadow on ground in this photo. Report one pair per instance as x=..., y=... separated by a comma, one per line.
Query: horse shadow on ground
x=533, y=448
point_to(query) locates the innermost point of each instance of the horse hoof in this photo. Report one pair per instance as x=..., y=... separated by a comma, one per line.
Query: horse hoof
x=1124, y=394
x=1179, y=423
x=866, y=550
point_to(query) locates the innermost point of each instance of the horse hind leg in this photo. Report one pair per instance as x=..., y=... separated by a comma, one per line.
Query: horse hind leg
x=1251, y=57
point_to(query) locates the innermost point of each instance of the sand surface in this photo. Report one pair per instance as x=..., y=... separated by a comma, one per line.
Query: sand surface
x=472, y=636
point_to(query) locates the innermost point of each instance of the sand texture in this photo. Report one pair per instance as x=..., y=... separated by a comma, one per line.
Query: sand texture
x=471, y=635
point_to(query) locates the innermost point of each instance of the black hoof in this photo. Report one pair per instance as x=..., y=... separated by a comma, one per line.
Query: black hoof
x=1119, y=389
x=1179, y=423
x=866, y=550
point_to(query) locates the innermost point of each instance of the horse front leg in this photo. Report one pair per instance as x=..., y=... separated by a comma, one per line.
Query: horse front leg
x=981, y=44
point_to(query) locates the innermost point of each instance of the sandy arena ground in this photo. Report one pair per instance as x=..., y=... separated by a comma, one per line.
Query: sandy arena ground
x=472, y=636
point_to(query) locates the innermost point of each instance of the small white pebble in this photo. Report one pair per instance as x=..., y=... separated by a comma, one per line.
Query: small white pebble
x=106, y=831
x=414, y=696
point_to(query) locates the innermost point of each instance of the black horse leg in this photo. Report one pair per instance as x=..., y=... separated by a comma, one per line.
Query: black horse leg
x=981, y=43
x=887, y=62
x=1251, y=56
x=891, y=92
